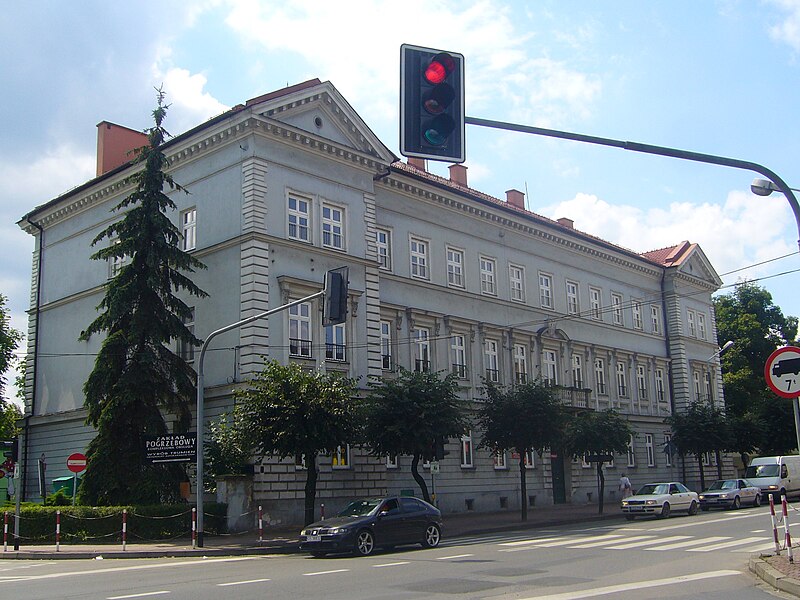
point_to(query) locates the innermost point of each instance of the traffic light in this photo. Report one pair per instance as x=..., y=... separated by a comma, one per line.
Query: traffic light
x=431, y=104
x=11, y=450
x=334, y=310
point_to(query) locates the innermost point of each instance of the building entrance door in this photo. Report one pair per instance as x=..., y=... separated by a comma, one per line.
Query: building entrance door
x=559, y=486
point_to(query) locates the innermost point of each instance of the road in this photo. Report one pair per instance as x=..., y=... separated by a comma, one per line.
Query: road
x=704, y=556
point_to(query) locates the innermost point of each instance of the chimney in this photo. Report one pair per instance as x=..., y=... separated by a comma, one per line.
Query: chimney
x=566, y=222
x=114, y=142
x=458, y=174
x=515, y=198
x=419, y=163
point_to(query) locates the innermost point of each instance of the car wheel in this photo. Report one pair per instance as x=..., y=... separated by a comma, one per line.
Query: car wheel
x=433, y=535
x=365, y=543
x=737, y=503
x=693, y=508
x=757, y=501
x=630, y=517
x=664, y=511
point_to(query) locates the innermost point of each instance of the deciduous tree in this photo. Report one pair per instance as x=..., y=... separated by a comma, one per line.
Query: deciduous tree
x=700, y=429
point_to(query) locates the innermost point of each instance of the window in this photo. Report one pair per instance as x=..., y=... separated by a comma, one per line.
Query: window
x=299, y=218
x=698, y=393
x=189, y=229
x=631, y=454
x=622, y=380
x=386, y=344
x=549, y=367
x=577, y=371
x=641, y=381
x=466, y=451
x=600, y=375
x=528, y=459
x=341, y=458
x=690, y=321
x=422, y=349
x=500, y=460
x=648, y=446
x=668, y=449
x=660, y=385
x=419, y=258
x=392, y=461
x=701, y=326
x=332, y=227
x=383, y=241
x=300, y=330
x=709, y=389
x=459, y=356
x=655, y=318
x=488, y=269
x=115, y=263
x=490, y=360
x=335, y=343
x=636, y=309
x=545, y=290
x=186, y=349
x=520, y=363
x=455, y=268
x=300, y=462
x=516, y=279
x=595, y=304
x=616, y=308
x=573, y=304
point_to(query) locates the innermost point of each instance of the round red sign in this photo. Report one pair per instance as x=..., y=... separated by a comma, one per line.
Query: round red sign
x=76, y=462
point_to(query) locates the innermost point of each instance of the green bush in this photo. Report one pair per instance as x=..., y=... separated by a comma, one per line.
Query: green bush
x=82, y=524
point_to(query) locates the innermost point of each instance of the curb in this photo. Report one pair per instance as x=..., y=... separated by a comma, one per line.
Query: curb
x=773, y=576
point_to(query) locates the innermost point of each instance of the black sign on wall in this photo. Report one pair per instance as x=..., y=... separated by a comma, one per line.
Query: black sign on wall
x=174, y=447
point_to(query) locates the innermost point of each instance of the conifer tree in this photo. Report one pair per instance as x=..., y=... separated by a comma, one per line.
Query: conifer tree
x=137, y=378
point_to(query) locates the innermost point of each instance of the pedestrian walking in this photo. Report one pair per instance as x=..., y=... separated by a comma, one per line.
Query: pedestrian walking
x=625, y=487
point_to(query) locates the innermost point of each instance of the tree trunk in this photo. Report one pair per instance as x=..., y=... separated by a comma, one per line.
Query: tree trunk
x=702, y=474
x=523, y=486
x=311, y=487
x=419, y=479
x=719, y=464
x=601, y=484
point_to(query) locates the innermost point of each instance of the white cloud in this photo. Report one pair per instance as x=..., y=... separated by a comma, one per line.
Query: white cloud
x=788, y=31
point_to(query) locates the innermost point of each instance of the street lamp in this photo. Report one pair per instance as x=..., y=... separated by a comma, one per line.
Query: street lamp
x=719, y=351
x=764, y=187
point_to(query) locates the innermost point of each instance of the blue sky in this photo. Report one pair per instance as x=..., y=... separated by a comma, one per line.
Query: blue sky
x=719, y=77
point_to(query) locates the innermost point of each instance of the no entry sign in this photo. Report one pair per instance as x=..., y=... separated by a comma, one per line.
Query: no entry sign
x=76, y=462
x=782, y=372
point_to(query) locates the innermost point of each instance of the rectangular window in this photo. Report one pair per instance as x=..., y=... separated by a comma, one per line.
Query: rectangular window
x=419, y=258
x=455, y=268
x=577, y=371
x=636, y=309
x=520, y=363
x=392, y=461
x=600, y=375
x=422, y=350
x=655, y=319
x=500, y=460
x=529, y=461
x=616, y=309
x=300, y=462
x=189, y=229
x=631, y=453
x=341, y=458
x=332, y=227
x=595, y=304
x=383, y=241
x=709, y=389
x=668, y=449
x=698, y=391
x=573, y=303
x=488, y=269
x=299, y=215
x=622, y=380
x=186, y=349
x=690, y=321
x=490, y=360
x=648, y=446
x=549, y=367
x=300, y=330
x=335, y=343
x=545, y=290
x=458, y=354
x=466, y=451
x=516, y=279
x=115, y=263
x=386, y=344
x=660, y=385
x=641, y=381
x=701, y=326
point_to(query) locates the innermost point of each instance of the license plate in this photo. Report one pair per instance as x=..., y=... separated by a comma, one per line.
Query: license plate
x=314, y=538
x=637, y=508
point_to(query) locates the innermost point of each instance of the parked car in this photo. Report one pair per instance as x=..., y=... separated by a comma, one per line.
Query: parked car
x=661, y=500
x=368, y=523
x=730, y=493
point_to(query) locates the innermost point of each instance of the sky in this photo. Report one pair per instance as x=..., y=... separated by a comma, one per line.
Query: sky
x=719, y=77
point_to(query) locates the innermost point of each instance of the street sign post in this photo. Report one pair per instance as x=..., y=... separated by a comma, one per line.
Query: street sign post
x=76, y=462
x=782, y=373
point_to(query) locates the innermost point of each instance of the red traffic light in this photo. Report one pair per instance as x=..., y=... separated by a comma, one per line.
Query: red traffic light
x=439, y=68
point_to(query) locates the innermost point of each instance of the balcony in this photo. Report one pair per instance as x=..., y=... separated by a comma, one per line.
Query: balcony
x=571, y=396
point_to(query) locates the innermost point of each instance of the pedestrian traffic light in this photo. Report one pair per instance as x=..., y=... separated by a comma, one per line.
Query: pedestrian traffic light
x=11, y=449
x=334, y=310
x=431, y=104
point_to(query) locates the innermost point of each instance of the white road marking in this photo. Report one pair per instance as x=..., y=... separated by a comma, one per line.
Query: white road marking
x=529, y=542
x=626, y=587
x=325, y=572
x=601, y=541
x=759, y=548
x=730, y=544
x=650, y=542
x=455, y=556
x=142, y=595
x=695, y=542
x=699, y=522
x=242, y=582
x=394, y=564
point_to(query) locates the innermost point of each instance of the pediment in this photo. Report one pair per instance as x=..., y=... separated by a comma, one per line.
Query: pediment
x=697, y=265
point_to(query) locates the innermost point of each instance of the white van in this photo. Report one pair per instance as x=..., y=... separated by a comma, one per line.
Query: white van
x=776, y=475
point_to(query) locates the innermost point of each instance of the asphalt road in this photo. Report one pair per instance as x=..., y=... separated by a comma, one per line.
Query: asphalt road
x=704, y=556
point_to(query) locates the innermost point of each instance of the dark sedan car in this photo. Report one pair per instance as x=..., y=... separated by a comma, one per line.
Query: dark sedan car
x=368, y=523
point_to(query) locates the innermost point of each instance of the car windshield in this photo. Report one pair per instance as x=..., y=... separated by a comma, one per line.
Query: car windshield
x=727, y=484
x=762, y=471
x=359, y=508
x=653, y=488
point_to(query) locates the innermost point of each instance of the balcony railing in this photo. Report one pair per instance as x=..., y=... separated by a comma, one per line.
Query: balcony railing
x=337, y=352
x=422, y=366
x=298, y=347
x=572, y=396
x=492, y=375
x=460, y=371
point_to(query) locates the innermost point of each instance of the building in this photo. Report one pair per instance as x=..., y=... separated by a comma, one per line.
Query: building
x=442, y=277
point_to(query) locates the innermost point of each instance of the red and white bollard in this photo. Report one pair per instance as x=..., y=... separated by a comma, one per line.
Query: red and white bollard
x=321, y=512
x=788, y=536
x=260, y=525
x=774, y=523
x=58, y=530
x=5, y=531
x=194, y=528
x=124, y=528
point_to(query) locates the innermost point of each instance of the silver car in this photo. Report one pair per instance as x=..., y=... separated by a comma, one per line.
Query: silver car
x=730, y=493
x=661, y=500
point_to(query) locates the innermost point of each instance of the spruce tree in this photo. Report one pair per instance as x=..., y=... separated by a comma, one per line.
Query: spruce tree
x=137, y=378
